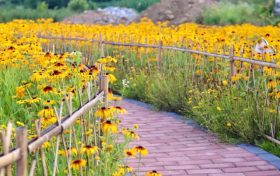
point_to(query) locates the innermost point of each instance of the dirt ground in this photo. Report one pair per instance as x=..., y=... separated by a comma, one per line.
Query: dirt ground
x=177, y=11
x=174, y=11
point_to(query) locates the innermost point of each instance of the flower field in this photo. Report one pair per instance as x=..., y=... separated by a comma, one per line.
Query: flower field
x=45, y=79
x=40, y=90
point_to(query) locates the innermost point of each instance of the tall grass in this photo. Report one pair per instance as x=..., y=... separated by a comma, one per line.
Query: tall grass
x=201, y=88
x=10, y=13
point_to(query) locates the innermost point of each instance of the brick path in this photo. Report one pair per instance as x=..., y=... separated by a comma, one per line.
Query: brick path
x=177, y=148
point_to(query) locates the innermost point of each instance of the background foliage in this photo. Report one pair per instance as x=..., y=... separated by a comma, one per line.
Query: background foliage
x=258, y=12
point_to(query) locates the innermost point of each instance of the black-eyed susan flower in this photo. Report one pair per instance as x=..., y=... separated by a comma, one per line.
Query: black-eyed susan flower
x=224, y=82
x=109, y=68
x=46, y=145
x=48, y=89
x=78, y=164
x=271, y=84
x=104, y=113
x=122, y=170
x=277, y=95
x=46, y=112
x=112, y=78
x=73, y=151
x=46, y=121
x=129, y=152
x=116, y=98
x=110, y=94
x=109, y=127
x=130, y=134
x=48, y=102
x=89, y=149
x=119, y=110
x=141, y=150
x=153, y=173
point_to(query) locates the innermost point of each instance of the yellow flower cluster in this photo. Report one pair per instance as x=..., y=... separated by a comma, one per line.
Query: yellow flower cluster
x=205, y=38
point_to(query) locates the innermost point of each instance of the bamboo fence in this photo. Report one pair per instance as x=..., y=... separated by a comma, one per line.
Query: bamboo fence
x=24, y=148
x=159, y=48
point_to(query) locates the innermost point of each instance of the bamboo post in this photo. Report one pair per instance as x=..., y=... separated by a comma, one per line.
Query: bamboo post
x=232, y=62
x=6, y=139
x=159, y=54
x=105, y=87
x=21, y=142
x=101, y=47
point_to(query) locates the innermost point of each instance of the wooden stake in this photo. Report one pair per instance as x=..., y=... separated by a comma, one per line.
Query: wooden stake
x=21, y=142
x=101, y=47
x=232, y=63
x=105, y=87
x=159, y=54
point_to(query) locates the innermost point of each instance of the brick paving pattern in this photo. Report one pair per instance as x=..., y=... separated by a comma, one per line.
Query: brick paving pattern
x=177, y=148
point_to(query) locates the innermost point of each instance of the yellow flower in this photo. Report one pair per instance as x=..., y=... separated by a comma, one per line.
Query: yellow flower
x=104, y=113
x=119, y=110
x=78, y=164
x=46, y=145
x=72, y=150
x=115, y=98
x=228, y=124
x=48, y=102
x=153, y=173
x=20, y=123
x=130, y=153
x=141, y=150
x=219, y=109
x=46, y=121
x=29, y=101
x=235, y=78
x=109, y=127
x=48, y=89
x=46, y=112
x=198, y=72
x=112, y=78
x=107, y=147
x=89, y=149
x=271, y=84
x=20, y=92
x=225, y=83
x=130, y=134
x=135, y=126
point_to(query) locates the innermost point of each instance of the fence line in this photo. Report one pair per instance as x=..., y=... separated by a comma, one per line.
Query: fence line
x=19, y=154
x=227, y=57
x=66, y=123
x=231, y=57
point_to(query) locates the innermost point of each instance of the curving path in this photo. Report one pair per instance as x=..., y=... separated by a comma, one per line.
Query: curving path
x=178, y=147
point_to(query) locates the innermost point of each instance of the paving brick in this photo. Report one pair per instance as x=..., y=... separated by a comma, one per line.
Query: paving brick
x=240, y=169
x=216, y=166
x=227, y=174
x=251, y=163
x=178, y=148
x=181, y=167
x=264, y=173
x=204, y=171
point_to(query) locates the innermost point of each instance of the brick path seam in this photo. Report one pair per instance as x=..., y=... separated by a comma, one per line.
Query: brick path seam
x=179, y=147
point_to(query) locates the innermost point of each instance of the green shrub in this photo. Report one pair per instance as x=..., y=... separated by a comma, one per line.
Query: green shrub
x=225, y=13
x=8, y=14
x=78, y=5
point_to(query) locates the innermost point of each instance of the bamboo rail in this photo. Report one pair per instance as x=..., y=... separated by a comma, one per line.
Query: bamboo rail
x=231, y=57
x=227, y=57
x=66, y=123
x=15, y=155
